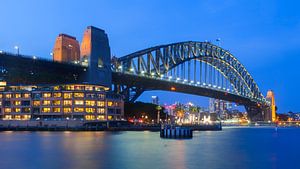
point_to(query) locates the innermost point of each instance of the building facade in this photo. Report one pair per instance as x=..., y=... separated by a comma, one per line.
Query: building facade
x=74, y=102
x=66, y=49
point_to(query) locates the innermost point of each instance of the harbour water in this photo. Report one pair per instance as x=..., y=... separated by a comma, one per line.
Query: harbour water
x=247, y=148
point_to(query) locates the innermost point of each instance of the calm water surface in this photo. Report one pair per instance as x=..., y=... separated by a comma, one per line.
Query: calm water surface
x=245, y=148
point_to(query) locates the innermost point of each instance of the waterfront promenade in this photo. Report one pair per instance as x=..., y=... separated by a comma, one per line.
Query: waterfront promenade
x=78, y=125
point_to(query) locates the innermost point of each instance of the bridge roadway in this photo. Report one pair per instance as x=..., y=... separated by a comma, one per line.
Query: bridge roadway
x=147, y=84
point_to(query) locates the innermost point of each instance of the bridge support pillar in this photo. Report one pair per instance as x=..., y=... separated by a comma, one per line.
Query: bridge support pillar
x=258, y=112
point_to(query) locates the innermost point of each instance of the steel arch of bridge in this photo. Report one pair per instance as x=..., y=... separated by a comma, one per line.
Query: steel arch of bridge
x=174, y=62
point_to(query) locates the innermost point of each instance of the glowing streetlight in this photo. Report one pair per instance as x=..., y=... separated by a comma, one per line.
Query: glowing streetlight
x=18, y=49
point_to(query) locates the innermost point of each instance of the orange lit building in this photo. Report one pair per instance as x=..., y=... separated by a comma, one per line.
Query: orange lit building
x=271, y=98
x=66, y=49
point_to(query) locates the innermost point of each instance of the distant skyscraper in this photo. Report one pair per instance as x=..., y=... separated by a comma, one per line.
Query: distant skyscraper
x=66, y=49
x=220, y=107
x=95, y=53
x=154, y=100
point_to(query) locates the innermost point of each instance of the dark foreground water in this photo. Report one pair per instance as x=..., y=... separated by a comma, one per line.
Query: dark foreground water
x=239, y=148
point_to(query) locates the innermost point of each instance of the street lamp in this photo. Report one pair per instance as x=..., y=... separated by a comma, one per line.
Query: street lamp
x=18, y=50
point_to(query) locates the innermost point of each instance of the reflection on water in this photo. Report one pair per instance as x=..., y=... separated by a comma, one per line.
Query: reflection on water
x=230, y=148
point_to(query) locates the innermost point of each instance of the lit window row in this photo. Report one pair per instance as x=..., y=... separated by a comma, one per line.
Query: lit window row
x=15, y=95
x=68, y=110
x=93, y=117
x=16, y=117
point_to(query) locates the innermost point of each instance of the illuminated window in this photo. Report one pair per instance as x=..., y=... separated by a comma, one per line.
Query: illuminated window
x=90, y=110
x=90, y=103
x=56, y=102
x=17, y=117
x=90, y=88
x=56, y=87
x=78, y=109
x=89, y=117
x=56, y=94
x=46, y=95
x=67, y=95
x=46, y=109
x=56, y=110
x=109, y=117
x=17, y=110
x=100, y=110
x=1, y=95
x=17, y=103
x=8, y=96
x=8, y=117
x=100, y=103
x=26, y=117
x=78, y=94
x=78, y=102
x=78, y=87
x=26, y=95
x=67, y=110
x=67, y=102
x=70, y=87
x=109, y=104
x=36, y=103
x=101, y=117
x=17, y=95
x=7, y=110
x=46, y=102
x=0, y=103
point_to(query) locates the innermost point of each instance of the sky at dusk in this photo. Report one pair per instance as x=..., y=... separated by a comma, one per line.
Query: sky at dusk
x=264, y=35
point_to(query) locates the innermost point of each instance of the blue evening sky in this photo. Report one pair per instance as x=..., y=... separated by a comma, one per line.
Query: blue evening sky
x=263, y=34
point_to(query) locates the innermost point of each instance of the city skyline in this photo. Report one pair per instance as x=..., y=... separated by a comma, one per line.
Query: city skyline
x=250, y=35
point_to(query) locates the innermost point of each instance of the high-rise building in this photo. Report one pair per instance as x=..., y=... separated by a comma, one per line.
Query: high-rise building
x=220, y=107
x=66, y=49
x=154, y=100
x=95, y=53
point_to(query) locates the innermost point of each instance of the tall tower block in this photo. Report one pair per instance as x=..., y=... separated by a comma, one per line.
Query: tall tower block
x=271, y=98
x=95, y=53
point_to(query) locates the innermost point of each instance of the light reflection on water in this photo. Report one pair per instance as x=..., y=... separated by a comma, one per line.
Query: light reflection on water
x=230, y=148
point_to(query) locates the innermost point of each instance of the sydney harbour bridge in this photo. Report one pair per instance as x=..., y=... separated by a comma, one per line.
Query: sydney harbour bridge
x=198, y=68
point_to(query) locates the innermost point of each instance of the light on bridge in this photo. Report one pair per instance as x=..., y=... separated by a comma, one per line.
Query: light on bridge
x=177, y=78
x=173, y=88
x=170, y=77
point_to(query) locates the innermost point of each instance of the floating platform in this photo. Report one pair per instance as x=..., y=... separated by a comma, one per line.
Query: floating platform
x=176, y=132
